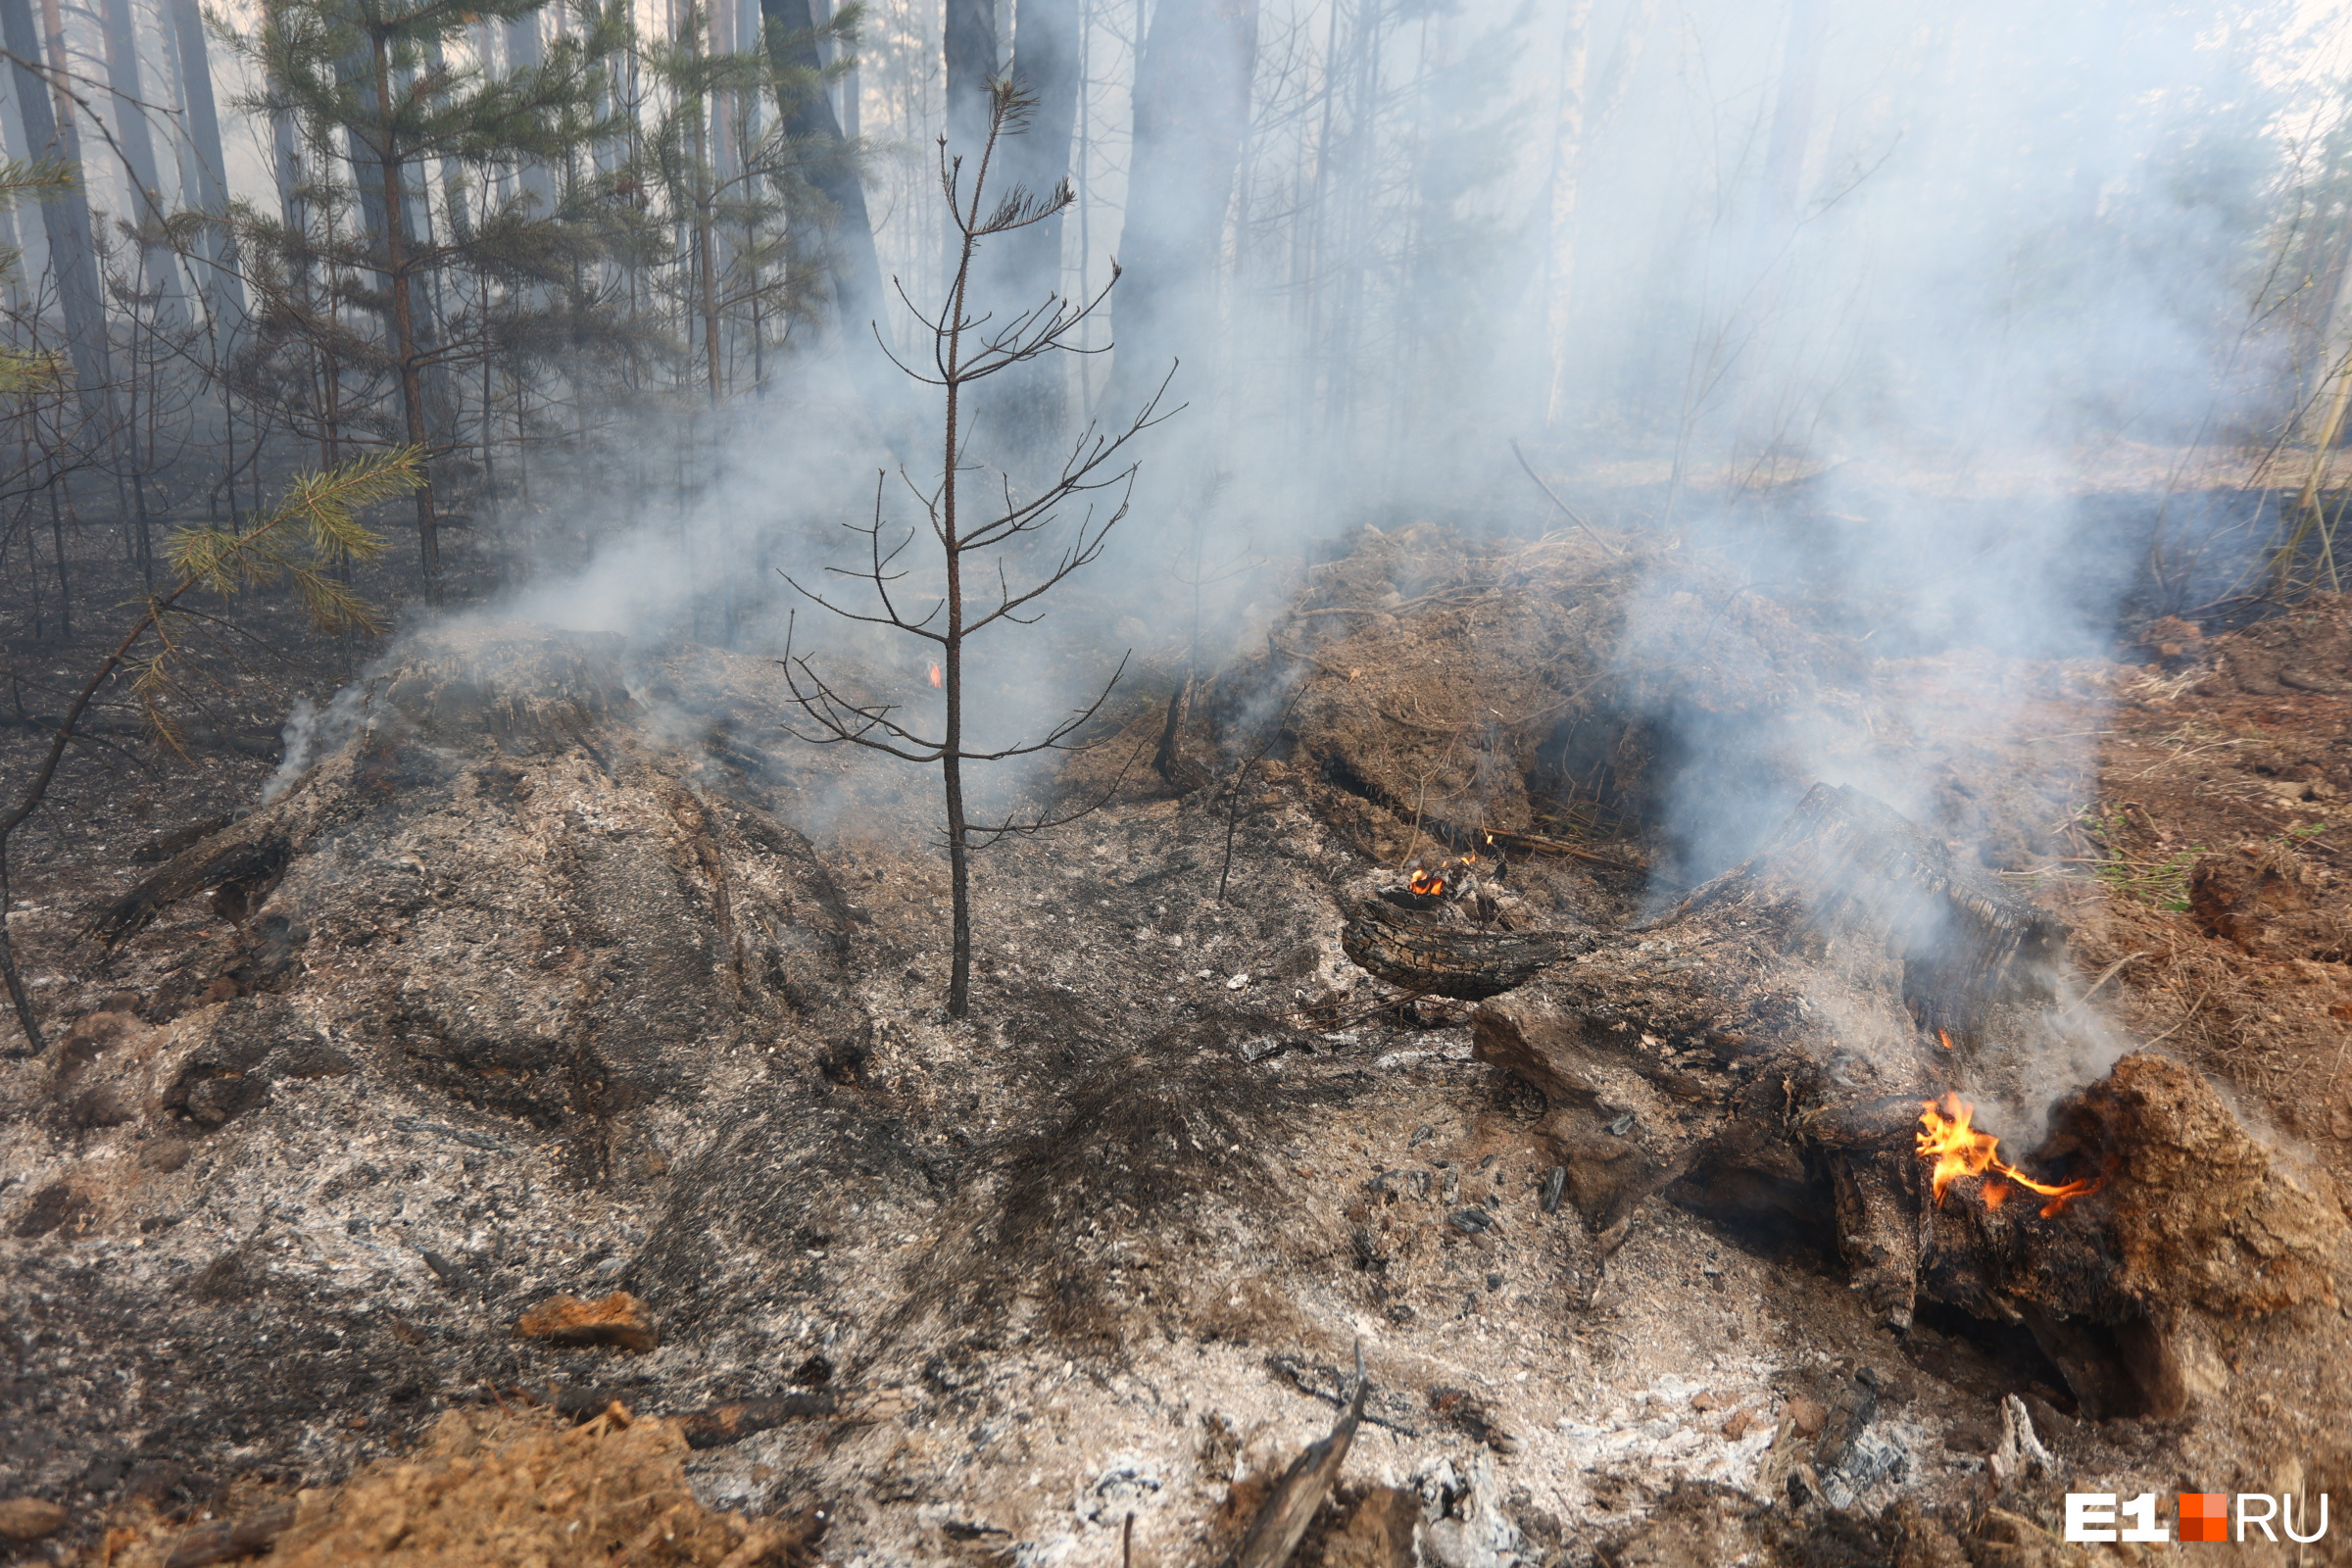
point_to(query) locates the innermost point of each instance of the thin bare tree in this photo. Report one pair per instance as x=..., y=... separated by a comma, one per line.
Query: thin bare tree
x=966, y=349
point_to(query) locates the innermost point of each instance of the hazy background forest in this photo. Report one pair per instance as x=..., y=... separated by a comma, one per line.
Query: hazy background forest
x=634, y=302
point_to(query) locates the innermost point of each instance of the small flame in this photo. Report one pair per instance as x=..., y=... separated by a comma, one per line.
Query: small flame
x=934, y=675
x=1945, y=1038
x=1958, y=1149
x=1426, y=882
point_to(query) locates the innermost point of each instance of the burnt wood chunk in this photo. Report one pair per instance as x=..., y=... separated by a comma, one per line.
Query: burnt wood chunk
x=244, y=864
x=723, y=1424
x=1430, y=959
x=1763, y=1052
x=1282, y=1522
x=231, y=1539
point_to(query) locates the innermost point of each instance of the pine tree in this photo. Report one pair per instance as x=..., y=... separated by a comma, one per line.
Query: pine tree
x=373, y=85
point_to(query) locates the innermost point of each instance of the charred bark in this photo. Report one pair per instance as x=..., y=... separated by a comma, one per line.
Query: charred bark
x=65, y=216
x=246, y=862
x=1765, y=1052
x=1430, y=959
x=223, y=292
x=851, y=263
x=1023, y=413
x=970, y=51
x=1192, y=105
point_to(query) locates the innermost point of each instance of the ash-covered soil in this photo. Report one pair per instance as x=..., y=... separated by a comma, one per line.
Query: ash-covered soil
x=564, y=970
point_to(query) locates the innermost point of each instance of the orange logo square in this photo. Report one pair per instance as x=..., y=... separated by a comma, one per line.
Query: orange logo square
x=2204, y=1516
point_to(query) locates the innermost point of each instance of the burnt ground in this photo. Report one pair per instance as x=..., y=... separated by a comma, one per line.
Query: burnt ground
x=1107, y=1250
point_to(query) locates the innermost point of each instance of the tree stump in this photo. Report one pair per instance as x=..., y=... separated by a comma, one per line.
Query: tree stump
x=1763, y=1052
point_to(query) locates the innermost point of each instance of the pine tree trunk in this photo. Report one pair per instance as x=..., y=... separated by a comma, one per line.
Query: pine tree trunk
x=1024, y=410
x=65, y=216
x=853, y=270
x=1192, y=107
x=971, y=61
x=138, y=152
x=525, y=52
x=705, y=238
x=404, y=317
x=223, y=292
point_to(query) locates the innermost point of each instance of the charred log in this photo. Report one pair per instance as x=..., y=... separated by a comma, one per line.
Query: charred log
x=1429, y=958
x=237, y=866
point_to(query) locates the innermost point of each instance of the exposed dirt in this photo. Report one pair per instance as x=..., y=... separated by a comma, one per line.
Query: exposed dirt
x=2215, y=868
x=564, y=972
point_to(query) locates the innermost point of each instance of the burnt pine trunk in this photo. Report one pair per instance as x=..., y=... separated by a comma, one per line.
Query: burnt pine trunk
x=1192, y=107
x=397, y=270
x=850, y=265
x=706, y=231
x=223, y=294
x=970, y=46
x=138, y=153
x=526, y=52
x=1026, y=409
x=65, y=216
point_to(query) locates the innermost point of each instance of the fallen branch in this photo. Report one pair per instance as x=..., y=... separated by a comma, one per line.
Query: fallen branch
x=230, y=1539
x=1274, y=1535
x=1562, y=505
x=723, y=1424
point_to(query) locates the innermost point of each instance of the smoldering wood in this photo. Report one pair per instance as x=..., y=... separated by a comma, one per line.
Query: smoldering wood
x=1762, y=1053
x=1430, y=959
x=246, y=857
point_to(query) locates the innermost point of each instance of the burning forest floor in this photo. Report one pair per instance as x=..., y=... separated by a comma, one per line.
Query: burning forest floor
x=564, y=972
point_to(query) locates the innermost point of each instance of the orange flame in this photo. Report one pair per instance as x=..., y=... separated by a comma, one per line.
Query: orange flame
x=1426, y=882
x=1958, y=1149
x=1946, y=1039
x=934, y=675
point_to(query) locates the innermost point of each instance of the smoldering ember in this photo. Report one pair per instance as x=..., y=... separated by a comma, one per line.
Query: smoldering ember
x=1231, y=782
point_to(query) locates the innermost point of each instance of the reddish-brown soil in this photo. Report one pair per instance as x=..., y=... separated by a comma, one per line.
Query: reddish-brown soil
x=2215, y=868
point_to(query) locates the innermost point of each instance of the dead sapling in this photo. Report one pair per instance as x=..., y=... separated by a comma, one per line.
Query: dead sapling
x=1095, y=472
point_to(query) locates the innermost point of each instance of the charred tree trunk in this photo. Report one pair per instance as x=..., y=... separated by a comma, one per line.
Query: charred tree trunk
x=1430, y=959
x=971, y=64
x=1022, y=414
x=1192, y=107
x=526, y=53
x=65, y=216
x=222, y=292
x=851, y=266
x=1781, y=1024
x=400, y=283
x=138, y=155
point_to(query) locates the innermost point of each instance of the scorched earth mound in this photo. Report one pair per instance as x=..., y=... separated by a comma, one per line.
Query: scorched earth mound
x=523, y=1053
